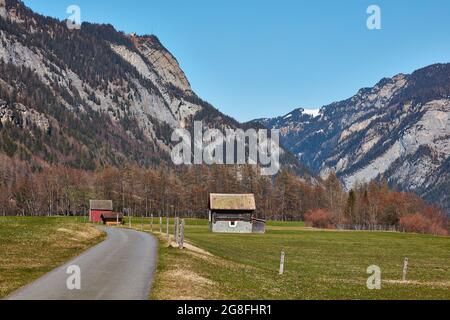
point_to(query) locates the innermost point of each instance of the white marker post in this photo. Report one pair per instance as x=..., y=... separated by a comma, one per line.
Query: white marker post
x=160, y=225
x=178, y=232
x=282, y=263
x=167, y=231
x=405, y=269
x=181, y=237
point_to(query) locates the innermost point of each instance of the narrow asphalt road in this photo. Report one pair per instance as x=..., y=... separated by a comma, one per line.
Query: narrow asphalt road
x=120, y=268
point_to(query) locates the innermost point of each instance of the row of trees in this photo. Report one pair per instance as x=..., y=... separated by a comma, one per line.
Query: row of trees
x=58, y=190
x=165, y=190
x=374, y=206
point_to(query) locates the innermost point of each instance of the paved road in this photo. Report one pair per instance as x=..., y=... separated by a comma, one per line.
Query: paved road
x=120, y=268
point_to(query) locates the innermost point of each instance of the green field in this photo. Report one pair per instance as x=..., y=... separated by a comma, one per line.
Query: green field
x=31, y=247
x=319, y=265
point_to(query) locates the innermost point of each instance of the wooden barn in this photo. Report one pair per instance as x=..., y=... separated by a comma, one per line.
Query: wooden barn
x=234, y=213
x=99, y=207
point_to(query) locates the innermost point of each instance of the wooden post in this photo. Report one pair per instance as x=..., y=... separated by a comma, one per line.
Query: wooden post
x=179, y=223
x=151, y=223
x=142, y=223
x=167, y=231
x=175, y=227
x=181, y=237
x=282, y=262
x=160, y=225
x=405, y=269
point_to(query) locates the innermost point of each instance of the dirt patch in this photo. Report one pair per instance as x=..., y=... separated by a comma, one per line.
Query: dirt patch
x=442, y=284
x=187, y=246
x=420, y=283
x=182, y=283
x=190, y=247
x=87, y=234
x=190, y=276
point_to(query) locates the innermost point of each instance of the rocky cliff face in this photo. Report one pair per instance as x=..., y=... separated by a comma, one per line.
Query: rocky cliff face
x=92, y=96
x=3, y=13
x=398, y=130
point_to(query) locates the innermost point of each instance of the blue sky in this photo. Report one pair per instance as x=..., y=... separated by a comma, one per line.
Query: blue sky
x=257, y=58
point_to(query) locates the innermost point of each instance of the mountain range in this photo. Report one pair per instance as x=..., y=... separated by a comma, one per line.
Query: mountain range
x=95, y=96
x=398, y=130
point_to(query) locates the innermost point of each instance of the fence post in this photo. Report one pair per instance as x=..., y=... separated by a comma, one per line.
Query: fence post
x=167, y=229
x=282, y=262
x=181, y=237
x=175, y=227
x=405, y=269
x=160, y=224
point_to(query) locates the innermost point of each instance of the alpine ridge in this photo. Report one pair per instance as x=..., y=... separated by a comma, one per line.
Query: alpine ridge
x=93, y=97
x=399, y=130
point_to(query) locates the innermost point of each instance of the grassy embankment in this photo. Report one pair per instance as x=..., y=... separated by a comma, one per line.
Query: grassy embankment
x=319, y=265
x=31, y=247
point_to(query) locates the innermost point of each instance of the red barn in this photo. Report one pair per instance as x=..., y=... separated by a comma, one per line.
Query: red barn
x=98, y=208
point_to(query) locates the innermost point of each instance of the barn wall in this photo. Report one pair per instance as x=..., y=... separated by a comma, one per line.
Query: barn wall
x=224, y=227
x=96, y=215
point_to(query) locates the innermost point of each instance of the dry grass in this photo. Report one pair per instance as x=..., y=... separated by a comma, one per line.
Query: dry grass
x=178, y=279
x=320, y=264
x=31, y=247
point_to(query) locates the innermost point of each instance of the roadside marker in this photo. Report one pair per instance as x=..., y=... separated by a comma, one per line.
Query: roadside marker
x=176, y=230
x=181, y=236
x=282, y=262
x=405, y=269
x=168, y=234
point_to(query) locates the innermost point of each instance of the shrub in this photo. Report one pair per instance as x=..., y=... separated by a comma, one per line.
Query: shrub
x=424, y=223
x=320, y=218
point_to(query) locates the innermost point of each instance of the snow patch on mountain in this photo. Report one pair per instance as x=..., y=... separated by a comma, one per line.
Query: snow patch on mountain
x=312, y=112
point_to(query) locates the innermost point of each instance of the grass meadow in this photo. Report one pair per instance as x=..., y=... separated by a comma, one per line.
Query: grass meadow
x=320, y=264
x=31, y=247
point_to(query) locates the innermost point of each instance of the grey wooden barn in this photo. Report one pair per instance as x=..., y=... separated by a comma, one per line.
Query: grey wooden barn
x=234, y=213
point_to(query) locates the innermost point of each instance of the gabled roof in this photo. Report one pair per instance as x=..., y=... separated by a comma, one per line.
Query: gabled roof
x=103, y=205
x=232, y=202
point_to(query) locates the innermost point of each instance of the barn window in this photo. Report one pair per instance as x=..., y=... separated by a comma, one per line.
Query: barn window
x=233, y=224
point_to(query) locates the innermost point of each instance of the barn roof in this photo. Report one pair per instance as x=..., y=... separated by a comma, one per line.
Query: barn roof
x=106, y=205
x=234, y=202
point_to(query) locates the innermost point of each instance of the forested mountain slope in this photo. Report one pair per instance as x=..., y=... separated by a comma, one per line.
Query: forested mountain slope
x=92, y=97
